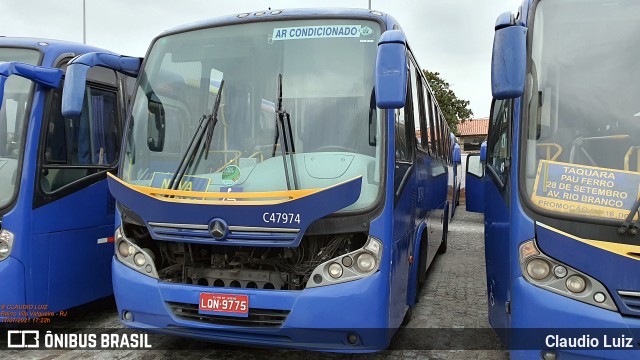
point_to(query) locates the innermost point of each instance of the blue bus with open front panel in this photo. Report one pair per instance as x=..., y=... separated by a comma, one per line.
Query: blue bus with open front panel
x=56, y=215
x=273, y=191
x=562, y=179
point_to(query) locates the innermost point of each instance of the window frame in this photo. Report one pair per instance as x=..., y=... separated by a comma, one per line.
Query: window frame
x=501, y=180
x=96, y=172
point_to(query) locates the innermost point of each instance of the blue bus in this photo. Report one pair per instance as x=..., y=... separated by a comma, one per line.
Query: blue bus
x=561, y=179
x=273, y=192
x=56, y=214
x=456, y=183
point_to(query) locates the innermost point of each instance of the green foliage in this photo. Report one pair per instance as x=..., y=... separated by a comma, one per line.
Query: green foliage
x=455, y=110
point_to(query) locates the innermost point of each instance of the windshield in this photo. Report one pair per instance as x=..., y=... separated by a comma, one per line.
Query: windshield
x=583, y=102
x=327, y=79
x=13, y=119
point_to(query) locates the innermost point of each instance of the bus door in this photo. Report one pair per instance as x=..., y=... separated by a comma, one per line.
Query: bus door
x=474, y=181
x=73, y=212
x=496, y=213
x=456, y=158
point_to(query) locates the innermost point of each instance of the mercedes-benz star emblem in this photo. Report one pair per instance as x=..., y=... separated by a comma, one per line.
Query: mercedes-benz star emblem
x=218, y=228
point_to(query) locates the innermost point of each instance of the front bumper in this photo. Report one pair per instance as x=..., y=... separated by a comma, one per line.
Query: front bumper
x=316, y=319
x=13, y=285
x=538, y=313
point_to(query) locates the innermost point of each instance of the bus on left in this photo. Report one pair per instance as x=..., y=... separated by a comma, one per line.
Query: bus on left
x=56, y=214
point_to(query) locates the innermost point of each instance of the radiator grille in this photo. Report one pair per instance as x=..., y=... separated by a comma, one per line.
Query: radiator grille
x=256, y=318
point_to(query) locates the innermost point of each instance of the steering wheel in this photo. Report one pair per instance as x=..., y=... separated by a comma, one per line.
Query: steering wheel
x=335, y=148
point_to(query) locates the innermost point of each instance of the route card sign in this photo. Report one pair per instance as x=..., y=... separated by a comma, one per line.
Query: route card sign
x=188, y=182
x=585, y=190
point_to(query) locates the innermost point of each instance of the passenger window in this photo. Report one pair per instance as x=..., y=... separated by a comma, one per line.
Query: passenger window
x=417, y=106
x=431, y=114
x=499, y=139
x=438, y=131
x=404, y=128
x=76, y=147
x=404, y=138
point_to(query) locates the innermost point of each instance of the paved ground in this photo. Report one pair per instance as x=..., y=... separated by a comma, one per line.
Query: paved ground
x=452, y=310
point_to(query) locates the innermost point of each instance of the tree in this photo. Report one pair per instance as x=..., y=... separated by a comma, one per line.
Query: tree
x=455, y=110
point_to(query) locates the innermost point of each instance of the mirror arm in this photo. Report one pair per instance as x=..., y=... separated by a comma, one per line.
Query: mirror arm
x=76, y=76
x=44, y=76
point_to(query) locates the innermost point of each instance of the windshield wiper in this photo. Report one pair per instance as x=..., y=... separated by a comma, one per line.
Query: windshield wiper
x=206, y=126
x=283, y=130
x=629, y=225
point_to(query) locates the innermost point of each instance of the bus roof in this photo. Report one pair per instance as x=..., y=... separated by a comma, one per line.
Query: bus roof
x=283, y=14
x=49, y=48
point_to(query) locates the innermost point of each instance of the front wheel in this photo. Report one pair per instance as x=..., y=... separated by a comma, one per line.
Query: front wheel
x=445, y=232
x=407, y=316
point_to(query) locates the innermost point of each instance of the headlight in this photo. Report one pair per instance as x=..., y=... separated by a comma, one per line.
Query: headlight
x=348, y=267
x=538, y=269
x=335, y=270
x=552, y=275
x=139, y=259
x=366, y=262
x=576, y=284
x=6, y=244
x=133, y=256
x=124, y=249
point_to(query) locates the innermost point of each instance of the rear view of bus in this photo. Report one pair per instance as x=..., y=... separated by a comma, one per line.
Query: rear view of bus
x=268, y=194
x=560, y=193
x=56, y=215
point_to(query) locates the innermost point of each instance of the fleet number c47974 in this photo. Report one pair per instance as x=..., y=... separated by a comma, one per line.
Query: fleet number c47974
x=281, y=218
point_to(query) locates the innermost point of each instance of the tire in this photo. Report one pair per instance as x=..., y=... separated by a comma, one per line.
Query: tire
x=443, y=246
x=422, y=264
x=445, y=236
x=407, y=316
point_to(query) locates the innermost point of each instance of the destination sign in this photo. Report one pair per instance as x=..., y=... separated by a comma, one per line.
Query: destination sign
x=188, y=182
x=322, y=31
x=585, y=190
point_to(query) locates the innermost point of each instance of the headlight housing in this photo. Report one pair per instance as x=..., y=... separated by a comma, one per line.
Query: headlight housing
x=6, y=244
x=352, y=266
x=550, y=274
x=130, y=254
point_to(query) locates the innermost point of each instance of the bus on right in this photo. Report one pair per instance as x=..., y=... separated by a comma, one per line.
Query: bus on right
x=559, y=182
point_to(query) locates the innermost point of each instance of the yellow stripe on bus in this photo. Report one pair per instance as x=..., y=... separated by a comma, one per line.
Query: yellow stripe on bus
x=270, y=197
x=626, y=250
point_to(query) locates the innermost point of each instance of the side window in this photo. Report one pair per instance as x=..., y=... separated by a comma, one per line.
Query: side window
x=446, y=140
x=438, y=131
x=417, y=106
x=499, y=139
x=78, y=147
x=474, y=166
x=431, y=123
x=424, y=129
x=404, y=129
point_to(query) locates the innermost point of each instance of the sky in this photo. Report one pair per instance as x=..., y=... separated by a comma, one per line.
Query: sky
x=452, y=37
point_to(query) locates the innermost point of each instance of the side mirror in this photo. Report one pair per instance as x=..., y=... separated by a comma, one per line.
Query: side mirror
x=456, y=154
x=156, y=126
x=483, y=151
x=391, y=70
x=509, y=59
x=49, y=77
x=76, y=76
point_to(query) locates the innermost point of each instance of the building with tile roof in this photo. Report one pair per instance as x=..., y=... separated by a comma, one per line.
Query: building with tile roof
x=472, y=133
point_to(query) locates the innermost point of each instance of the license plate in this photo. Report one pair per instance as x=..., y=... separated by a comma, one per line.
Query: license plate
x=224, y=304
